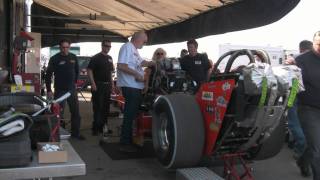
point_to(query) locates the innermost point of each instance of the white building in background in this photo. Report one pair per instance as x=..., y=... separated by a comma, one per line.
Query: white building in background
x=290, y=52
x=276, y=54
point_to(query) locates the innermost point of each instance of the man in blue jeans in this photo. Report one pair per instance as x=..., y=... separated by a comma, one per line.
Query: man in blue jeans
x=293, y=120
x=309, y=107
x=130, y=78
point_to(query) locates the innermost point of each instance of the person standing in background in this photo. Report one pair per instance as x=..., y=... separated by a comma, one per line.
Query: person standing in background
x=309, y=108
x=195, y=64
x=64, y=66
x=299, y=142
x=183, y=53
x=100, y=71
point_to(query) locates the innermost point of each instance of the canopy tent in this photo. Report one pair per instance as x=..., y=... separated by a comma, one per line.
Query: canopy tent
x=165, y=21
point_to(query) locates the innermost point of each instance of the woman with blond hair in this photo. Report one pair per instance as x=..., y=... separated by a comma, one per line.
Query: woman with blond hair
x=159, y=54
x=162, y=63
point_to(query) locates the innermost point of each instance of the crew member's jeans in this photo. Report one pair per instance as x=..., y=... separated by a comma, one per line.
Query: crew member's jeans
x=74, y=109
x=133, y=99
x=310, y=123
x=296, y=130
x=100, y=105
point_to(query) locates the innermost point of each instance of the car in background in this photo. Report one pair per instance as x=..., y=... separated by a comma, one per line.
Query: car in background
x=83, y=80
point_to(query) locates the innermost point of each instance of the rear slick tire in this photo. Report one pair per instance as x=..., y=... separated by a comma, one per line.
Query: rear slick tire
x=178, y=131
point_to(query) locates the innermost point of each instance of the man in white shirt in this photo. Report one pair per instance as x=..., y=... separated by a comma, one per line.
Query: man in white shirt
x=130, y=78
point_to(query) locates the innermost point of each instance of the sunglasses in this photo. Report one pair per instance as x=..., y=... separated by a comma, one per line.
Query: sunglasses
x=106, y=46
x=159, y=53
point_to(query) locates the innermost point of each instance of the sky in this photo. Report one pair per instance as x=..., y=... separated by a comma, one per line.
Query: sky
x=297, y=25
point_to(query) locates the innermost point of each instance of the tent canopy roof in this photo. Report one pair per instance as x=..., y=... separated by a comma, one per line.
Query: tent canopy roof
x=165, y=21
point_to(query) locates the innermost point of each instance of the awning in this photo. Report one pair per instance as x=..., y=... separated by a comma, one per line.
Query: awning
x=165, y=21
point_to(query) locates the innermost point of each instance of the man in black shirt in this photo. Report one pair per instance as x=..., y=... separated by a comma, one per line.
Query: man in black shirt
x=64, y=66
x=309, y=107
x=100, y=71
x=196, y=65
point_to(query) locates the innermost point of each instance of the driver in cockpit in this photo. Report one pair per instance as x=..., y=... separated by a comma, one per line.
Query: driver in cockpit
x=162, y=64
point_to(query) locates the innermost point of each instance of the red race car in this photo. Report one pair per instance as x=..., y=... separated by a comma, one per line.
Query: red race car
x=232, y=116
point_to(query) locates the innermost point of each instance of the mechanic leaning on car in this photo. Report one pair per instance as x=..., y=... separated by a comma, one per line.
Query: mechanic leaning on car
x=130, y=77
x=64, y=66
x=195, y=64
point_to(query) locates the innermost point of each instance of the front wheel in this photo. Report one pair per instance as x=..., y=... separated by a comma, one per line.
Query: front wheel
x=273, y=145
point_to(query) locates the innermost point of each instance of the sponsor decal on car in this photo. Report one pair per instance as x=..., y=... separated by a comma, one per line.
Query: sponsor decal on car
x=226, y=86
x=221, y=101
x=208, y=96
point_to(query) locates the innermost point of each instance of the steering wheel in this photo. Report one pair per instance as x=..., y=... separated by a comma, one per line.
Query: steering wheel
x=156, y=77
